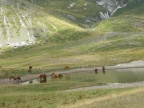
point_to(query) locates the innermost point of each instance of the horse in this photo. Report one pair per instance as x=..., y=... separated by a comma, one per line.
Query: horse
x=66, y=67
x=53, y=75
x=42, y=77
x=16, y=78
x=103, y=69
x=30, y=67
x=96, y=71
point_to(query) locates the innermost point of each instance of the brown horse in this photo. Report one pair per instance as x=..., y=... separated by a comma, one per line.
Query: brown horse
x=42, y=78
x=66, y=67
x=16, y=78
x=53, y=75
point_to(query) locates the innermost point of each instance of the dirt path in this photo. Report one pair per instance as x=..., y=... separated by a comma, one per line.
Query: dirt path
x=112, y=85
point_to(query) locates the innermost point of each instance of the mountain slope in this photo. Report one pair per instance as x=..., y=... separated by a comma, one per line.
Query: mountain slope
x=128, y=19
x=85, y=13
x=117, y=39
x=22, y=23
x=80, y=12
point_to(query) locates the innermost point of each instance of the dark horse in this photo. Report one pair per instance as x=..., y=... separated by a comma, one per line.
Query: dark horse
x=30, y=67
x=96, y=71
x=53, y=75
x=16, y=78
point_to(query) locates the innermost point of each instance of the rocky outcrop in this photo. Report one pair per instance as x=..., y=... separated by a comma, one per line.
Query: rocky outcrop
x=111, y=6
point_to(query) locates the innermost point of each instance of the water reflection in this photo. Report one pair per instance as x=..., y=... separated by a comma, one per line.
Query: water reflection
x=110, y=76
x=35, y=81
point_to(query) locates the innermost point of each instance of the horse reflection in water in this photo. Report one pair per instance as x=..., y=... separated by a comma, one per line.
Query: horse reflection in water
x=53, y=75
x=43, y=78
x=96, y=71
x=103, y=69
x=15, y=78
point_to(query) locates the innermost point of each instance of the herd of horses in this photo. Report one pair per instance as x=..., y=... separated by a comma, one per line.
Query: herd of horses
x=103, y=70
x=43, y=76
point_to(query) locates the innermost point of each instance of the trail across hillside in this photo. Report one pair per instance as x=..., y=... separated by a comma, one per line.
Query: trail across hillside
x=111, y=85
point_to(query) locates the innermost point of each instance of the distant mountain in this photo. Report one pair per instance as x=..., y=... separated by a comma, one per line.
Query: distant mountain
x=85, y=13
x=25, y=22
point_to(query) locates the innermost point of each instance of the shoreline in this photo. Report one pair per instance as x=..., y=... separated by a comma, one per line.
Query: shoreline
x=136, y=64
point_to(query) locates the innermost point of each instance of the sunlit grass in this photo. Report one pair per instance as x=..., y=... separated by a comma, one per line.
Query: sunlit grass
x=123, y=99
x=41, y=96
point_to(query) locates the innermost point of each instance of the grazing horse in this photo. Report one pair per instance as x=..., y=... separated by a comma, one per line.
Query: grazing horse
x=42, y=78
x=16, y=78
x=103, y=69
x=96, y=71
x=66, y=67
x=53, y=75
x=30, y=67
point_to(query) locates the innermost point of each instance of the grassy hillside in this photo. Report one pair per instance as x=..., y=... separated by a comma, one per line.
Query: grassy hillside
x=135, y=8
x=124, y=23
x=24, y=23
x=116, y=40
x=59, y=42
x=127, y=19
x=79, y=12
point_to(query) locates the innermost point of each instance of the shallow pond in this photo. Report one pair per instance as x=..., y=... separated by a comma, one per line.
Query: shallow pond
x=110, y=76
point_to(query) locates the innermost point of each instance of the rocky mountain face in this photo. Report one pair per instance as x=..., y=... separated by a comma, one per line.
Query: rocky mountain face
x=22, y=21
x=16, y=28
x=111, y=7
x=86, y=13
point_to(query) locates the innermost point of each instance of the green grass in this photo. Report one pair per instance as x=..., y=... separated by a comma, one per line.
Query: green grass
x=126, y=23
x=78, y=14
x=116, y=40
x=95, y=50
x=135, y=8
x=130, y=99
x=41, y=96
x=110, y=49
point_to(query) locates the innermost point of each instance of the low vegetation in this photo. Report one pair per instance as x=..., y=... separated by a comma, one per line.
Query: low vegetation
x=41, y=96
